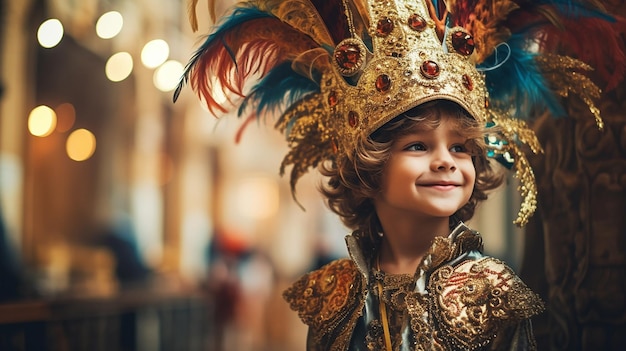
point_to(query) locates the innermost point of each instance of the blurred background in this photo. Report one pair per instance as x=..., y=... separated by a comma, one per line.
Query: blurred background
x=128, y=222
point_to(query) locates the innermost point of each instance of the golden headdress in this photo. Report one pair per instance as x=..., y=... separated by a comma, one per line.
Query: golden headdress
x=337, y=70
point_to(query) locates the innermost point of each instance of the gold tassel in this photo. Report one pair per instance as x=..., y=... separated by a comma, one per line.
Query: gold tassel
x=561, y=72
x=514, y=131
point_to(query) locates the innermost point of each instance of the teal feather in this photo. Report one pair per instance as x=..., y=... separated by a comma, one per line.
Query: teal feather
x=282, y=86
x=215, y=40
x=519, y=82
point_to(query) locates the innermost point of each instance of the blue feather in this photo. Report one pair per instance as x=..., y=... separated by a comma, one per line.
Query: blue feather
x=245, y=12
x=281, y=85
x=518, y=81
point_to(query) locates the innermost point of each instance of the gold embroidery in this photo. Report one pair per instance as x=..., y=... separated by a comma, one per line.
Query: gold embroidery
x=399, y=294
x=464, y=307
x=321, y=297
x=475, y=299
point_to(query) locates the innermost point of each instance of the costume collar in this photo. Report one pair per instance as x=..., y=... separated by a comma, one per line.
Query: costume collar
x=457, y=245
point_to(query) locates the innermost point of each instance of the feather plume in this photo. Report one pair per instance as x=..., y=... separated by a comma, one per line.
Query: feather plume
x=606, y=55
x=243, y=126
x=193, y=16
x=539, y=28
x=568, y=27
x=309, y=143
x=280, y=87
x=488, y=31
x=460, y=11
x=211, y=8
x=300, y=15
x=565, y=77
x=518, y=82
x=248, y=43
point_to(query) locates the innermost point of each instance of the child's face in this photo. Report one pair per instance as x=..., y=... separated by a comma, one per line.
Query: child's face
x=429, y=173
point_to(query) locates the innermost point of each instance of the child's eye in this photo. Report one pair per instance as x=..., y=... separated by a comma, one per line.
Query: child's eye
x=458, y=148
x=416, y=147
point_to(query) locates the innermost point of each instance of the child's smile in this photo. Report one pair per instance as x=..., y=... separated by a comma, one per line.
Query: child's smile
x=430, y=173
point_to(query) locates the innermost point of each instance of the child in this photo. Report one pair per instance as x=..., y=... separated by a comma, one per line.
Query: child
x=401, y=102
x=411, y=185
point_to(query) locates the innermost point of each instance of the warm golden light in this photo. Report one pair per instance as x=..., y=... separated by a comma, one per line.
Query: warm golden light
x=168, y=75
x=80, y=145
x=258, y=197
x=109, y=25
x=119, y=66
x=50, y=33
x=42, y=121
x=154, y=53
x=66, y=115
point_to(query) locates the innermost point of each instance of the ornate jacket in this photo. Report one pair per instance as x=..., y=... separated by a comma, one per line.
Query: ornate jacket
x=458, y=299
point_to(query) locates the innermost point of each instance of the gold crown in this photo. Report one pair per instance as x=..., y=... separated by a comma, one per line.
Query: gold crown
x=363, y=87
x=361, y=90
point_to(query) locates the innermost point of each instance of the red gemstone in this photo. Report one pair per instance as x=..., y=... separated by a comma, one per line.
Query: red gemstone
x=384, y=27
x=353, y=119
x=463, y=43
x=333, y=143
x=467, y=82
x=383, y=83
x=347, y=56
x=417, y=22
x=332, y=99
x=430, y=69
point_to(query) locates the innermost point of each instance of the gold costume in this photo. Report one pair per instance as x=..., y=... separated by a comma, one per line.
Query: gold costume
x=329, y=73
x=458, y=299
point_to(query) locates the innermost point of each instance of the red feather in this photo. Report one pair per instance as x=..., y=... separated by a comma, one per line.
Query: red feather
x=252, y=48
x=603, y=47
x=593, y=40
x=461, y=11
x=243, y=126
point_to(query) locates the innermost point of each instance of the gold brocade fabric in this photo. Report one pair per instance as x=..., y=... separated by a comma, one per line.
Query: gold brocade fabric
x=326, y=300
x=401, y=301
x=457, y=300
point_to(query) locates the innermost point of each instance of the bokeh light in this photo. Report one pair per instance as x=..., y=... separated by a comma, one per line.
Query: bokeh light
x=66, y=116
x=167, y=76
x=154, y=53
x=50, y=33
x=42, y=121
x=109, y=25
x=80, y=145
x=119, y=66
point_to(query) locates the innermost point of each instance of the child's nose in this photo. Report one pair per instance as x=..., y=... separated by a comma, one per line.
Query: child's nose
x=443, y=161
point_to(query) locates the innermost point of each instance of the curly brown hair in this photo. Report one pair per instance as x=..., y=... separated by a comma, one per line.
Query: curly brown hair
x=354, y=183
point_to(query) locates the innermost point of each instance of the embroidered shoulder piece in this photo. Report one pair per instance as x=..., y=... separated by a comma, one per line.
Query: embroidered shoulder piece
x=322, y=297
x=475, y=300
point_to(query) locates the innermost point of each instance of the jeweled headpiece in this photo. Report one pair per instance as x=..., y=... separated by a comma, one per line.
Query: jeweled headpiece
x=337, y=70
